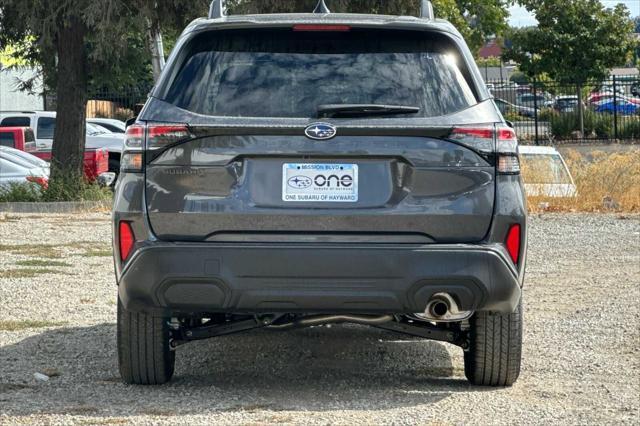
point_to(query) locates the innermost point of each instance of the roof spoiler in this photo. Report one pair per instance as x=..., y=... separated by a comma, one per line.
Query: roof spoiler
x=218, y=9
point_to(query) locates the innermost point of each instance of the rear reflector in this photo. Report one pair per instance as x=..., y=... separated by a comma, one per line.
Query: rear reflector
x=306, y=27
x=513, y=243
x=126, y=240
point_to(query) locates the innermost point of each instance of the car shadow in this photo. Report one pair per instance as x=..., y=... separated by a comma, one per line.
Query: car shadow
x=345, y=367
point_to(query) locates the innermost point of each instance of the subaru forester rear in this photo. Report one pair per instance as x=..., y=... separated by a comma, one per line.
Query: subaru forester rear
x=306, y=169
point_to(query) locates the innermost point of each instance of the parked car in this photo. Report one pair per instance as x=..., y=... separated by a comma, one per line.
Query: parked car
x=95, y=163
x=96, y=160
x=566, y=103
x=621, y=106
x=545, y=172
x=507, y=107
x=21, y=138
x=600, y=97
x=530, y=100
x=113, y=126
x=44, y=123
x=19, y=167
x=253, y=197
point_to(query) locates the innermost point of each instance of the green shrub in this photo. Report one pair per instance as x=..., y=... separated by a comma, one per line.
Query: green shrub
x=18, y=192
x=60, y=191
x=562, y=125
x=545, y=114
x=629, y=128
x=513, y=116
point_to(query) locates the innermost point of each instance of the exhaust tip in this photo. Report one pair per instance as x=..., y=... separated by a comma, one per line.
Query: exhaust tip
x=442, y=307
x=438, y=308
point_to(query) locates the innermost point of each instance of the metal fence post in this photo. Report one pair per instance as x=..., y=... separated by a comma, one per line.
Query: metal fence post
x=535, y=109
x=615, y=108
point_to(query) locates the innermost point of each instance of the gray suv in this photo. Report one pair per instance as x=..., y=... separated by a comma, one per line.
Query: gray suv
x=307, y=169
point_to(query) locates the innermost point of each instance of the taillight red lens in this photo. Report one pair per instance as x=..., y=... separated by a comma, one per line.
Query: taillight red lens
x=306, y=27
x=40, y=180
x=513, y=243
x=126, y=240
x=161, y=135
x=480, y=138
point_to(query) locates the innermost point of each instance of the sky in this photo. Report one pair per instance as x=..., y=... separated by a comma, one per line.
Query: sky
x=521, y=18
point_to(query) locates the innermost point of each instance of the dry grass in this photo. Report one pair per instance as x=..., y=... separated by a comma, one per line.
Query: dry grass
x=606, y=182
x=24, y=325
x=42, y=263
x=30, y=272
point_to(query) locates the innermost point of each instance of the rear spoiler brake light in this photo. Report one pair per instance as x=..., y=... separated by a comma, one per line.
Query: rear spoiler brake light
x=310, y=27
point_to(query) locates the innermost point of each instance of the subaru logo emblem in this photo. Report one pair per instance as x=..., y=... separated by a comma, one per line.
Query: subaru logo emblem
x=300, y=182
x=320, y=131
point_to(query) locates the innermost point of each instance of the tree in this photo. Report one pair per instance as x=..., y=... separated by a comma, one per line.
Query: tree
x=576, y=41
x=475, y=19
x=78, y=43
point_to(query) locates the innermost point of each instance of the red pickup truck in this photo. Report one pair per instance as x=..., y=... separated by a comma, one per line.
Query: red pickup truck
x=96, y=160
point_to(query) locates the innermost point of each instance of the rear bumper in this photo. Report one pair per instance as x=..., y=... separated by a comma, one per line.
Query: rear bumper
x=189, y=278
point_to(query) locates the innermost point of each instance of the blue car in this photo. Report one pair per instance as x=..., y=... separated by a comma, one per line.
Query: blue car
x=621, y=107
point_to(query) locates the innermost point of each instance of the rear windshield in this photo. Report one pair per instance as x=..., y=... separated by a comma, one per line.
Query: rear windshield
x=282, y=73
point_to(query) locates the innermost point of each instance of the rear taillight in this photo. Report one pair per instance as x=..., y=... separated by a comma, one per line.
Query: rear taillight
x=512, y=243
x=480, y=138
x=131, y=162
x=134, y=137
x=139, y=137
x=162, y=135
x=487, y=138
x=40, y=180
x=126, y=239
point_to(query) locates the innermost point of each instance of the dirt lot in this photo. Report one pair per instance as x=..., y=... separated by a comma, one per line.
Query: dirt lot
x=581, y=354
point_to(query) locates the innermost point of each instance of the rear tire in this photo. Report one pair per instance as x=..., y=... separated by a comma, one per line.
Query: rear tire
x=144, y=354
x=495, y=351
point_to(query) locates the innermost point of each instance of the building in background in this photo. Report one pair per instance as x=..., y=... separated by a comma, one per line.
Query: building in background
x=13, y=99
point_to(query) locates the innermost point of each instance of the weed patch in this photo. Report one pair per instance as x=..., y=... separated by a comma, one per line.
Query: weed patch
x=33, y=250
x=42, y=263
x=29, y=272
x=98, y=253
x=27, y=324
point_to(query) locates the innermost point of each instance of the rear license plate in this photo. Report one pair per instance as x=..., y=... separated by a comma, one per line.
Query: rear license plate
x=325, y=183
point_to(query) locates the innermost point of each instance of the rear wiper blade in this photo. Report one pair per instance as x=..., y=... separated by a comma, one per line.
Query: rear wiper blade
x=363, y=110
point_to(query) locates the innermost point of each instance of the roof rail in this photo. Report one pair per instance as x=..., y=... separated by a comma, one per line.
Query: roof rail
x=426, y=10
x=217, y=9
x=321, y=7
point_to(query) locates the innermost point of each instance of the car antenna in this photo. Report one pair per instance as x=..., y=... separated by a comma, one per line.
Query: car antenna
x=426, y=10
x=321, y=7
x=217, y=9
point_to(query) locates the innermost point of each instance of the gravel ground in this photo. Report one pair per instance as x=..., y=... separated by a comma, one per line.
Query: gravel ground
x=581, y=352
